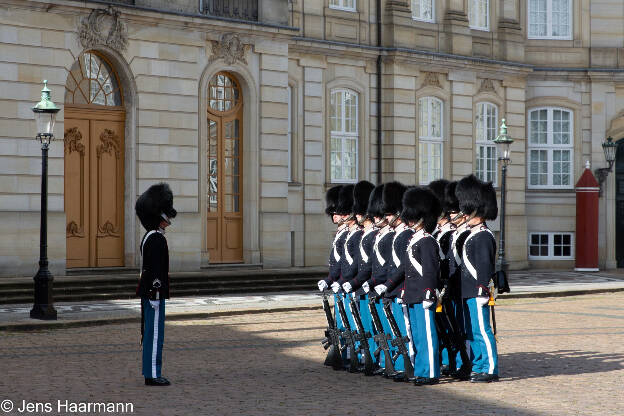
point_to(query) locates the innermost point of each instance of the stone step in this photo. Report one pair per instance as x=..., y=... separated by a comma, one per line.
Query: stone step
x=204, y=283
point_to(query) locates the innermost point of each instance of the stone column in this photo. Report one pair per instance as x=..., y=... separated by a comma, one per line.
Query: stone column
x=456, y=37
x=462, y=151
x=511, y=40
x=516, y=222
x=273, y=112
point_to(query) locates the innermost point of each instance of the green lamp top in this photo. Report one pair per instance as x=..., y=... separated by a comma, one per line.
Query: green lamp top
x=503, y=137
x=45, y=105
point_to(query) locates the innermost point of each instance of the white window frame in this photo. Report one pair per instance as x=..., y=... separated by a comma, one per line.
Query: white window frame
x=551, y=246
x=430, y=140
x=482, y=141
x=549, y=27
x=418, y=16
x=339, y=5
x=549, y=147
x=343, y=134
x=471, y=4
x=290, y=133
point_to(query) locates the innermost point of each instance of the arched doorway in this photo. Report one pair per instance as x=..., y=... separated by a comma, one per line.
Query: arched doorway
x=94, y=164
x=619, y=203
x=224, y=233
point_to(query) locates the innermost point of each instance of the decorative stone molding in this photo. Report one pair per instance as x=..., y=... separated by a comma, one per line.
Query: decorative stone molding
x=92, y=30
x=398, y=5
x=108, y=230
x=73, y=230
x=229, y=48
x=487, y=86
x=431, y=79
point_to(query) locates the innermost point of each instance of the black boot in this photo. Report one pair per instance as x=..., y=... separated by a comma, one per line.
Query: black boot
x=445, y=370
x=483, y=378
x=160, y=381
x=425, y=381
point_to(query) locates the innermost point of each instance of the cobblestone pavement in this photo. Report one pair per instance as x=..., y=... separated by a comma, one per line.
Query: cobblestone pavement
x=558, y=356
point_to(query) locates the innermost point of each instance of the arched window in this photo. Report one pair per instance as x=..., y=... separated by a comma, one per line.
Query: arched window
x=430, y=134
x=486, y=121
x=344, y=135
x=91, y=80
x=551, y=148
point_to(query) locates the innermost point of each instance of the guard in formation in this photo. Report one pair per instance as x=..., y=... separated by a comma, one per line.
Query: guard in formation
x=155, y=211
x=412, y=273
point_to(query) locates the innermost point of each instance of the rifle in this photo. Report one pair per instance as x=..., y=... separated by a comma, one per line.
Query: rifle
x=381, y=338
x=331, y=341
x=449, y=334
x=362, y=337
x=399, y=342
x=349, y=337
x=491, y=304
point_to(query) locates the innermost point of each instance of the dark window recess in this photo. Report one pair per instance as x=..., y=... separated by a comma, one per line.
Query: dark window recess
x=234, y=9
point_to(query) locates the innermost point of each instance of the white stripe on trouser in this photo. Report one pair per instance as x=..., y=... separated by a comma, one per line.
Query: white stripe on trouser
x=155, y=341
x=429, y=342
x=486, y=339
x=408, y=329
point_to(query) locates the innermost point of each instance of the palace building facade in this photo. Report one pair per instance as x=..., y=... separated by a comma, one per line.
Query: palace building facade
x=252, y=109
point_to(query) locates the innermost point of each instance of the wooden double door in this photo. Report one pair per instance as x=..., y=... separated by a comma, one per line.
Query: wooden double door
x=94, y=186
x=224, y=233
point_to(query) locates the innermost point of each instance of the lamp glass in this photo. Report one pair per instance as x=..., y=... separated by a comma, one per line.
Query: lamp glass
x=45, y=122
x=609, y=150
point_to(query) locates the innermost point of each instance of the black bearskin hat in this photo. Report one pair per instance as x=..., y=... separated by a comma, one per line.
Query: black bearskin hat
x=450, y=202
x=375, y=202
x=489, y=205
x=392, y=197
x=345, y=200
x=420, y=203
x=331, y=199
x=157, y=200
x=468, y=193
x=361, y=193
x=438, y=187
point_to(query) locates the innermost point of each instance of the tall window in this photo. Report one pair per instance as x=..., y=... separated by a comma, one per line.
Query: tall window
x=343, y=120
x=342, y=5
x=423, y=10
x=550, y=19
x=485, y=125
x=550, y=148
x=429, y=139
x=479, y=14
x=290, y=134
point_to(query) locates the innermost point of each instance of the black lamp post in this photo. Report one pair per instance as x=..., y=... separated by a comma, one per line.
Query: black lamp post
x=503, y=149
x=609, y=149
x=45, y=115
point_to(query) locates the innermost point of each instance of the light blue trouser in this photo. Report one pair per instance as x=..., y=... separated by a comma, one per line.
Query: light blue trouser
x=425, y=339
x=400, y=316
x=482, y=341
x=153, y=338
x=367, y=323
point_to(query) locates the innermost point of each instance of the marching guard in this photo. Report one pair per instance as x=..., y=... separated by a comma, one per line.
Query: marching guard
x=155, y=211
x=477, y=200
x=421, y=210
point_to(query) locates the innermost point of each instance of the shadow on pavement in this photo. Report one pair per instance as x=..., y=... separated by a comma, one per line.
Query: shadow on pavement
x=523, y=365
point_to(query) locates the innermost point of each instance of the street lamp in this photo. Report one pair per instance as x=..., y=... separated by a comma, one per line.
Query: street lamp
x=45, y=116
x=503, y=149
x=609, y=149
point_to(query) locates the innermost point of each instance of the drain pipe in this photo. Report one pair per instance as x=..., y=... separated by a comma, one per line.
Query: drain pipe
x=379, y=135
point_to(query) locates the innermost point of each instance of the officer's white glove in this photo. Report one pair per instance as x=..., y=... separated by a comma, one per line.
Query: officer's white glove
x=155, y=303
x=322, y=285
x=335, y=287
x=346, y=287
x=482, y=300
x=427, y=304
x=365, y=287
x=399, y=300
x=380, y=289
